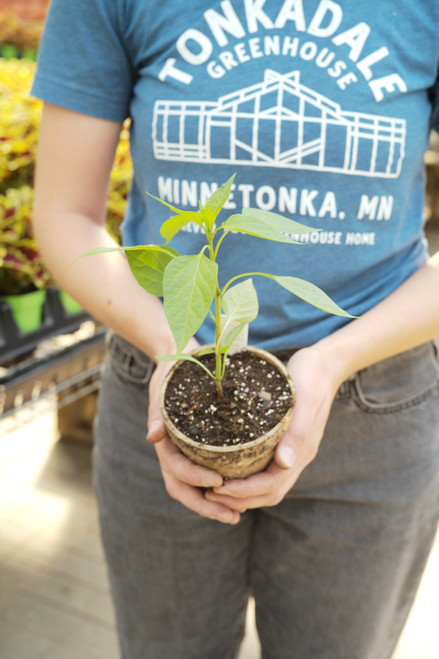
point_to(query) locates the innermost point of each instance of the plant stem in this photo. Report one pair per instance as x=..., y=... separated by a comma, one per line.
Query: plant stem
x=218, y=360
x=217, y=318
x=245, y=274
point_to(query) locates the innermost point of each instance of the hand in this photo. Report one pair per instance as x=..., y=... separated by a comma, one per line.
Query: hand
x=316, y=386
x=184, y=481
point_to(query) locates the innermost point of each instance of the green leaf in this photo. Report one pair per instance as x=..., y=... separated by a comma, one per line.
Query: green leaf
x=281, y=222
x=175, y=223
x=148, y=266
x=311, y=294
x=147, y=263
x=98, y=250
x=209, y=219
x=216, y=202
x=189, y=285
x=231, y=336
x=267, y=225
x=206, y=351
x=183, y=356
x=165, y=203
x=240, y=303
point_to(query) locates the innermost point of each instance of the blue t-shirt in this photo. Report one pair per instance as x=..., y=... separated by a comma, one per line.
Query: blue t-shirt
x=322, y=108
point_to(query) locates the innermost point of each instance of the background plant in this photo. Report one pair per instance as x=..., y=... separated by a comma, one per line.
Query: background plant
x=21, y=267
x=120, y=183
x=20, y=116
x=19, y=123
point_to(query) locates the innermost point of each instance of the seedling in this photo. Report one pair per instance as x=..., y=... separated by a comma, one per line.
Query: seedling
x=189, y=284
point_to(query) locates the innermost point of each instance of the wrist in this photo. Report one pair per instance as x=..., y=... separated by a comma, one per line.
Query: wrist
x=163, y=346
x=334, y=353
x=154, y=338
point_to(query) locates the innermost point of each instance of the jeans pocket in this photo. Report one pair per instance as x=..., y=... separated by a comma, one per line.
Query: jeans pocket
x=400, y=382
x=128, y=362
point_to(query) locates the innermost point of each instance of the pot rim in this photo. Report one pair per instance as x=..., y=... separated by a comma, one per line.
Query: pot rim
x=264, y=354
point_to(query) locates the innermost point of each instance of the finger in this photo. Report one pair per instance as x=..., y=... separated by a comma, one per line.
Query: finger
x=259, y=484
x=173, y=462
x=156, y=431
x=194, y=499
x=241, y=505
x=299, y=446
x=285, y=455
x=295, y=438
x=238, y=505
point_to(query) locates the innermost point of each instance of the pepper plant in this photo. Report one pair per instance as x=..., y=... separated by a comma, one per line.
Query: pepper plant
x=189, y=284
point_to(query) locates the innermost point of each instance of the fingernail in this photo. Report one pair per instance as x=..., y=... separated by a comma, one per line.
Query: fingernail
x=154, y=427
x=222, y=490
x=287, y=456
x=212, y=481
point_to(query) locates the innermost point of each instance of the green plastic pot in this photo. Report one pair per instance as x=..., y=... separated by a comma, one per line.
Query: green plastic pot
x=27, y=309
x=70, y=305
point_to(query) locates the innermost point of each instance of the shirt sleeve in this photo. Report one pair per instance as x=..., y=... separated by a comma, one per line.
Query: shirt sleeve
x=82, y=62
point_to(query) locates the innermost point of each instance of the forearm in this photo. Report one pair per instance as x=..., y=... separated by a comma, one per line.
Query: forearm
x=75, y=156
x=407, y=318
x=103, y=283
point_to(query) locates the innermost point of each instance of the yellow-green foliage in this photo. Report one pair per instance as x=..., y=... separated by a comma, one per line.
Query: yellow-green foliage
x=120, y=183
x=21, y=268
x=19, y=120
x=20, y=116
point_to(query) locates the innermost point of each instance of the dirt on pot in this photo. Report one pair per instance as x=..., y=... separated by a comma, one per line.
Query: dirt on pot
x=256, y=398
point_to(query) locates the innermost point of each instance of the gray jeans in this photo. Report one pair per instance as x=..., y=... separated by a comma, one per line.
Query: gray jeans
x=333, y=568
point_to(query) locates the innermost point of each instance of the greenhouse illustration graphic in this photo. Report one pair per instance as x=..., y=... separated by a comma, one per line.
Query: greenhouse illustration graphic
x=279, y=122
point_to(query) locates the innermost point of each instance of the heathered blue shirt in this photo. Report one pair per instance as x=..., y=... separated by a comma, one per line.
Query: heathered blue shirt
x=322, y=108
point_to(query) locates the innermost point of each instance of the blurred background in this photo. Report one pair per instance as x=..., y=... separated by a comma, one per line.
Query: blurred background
x=54, y=598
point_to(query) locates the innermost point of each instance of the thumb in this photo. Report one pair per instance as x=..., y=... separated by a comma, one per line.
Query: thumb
x=156, y=431
x=285, y=455
x=290, y=446
x=300, y=444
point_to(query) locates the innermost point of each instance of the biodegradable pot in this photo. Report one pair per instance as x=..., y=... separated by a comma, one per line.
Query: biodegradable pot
x=238, y=460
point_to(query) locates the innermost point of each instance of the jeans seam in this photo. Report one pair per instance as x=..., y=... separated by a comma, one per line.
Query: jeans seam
x=388, y=408
x=121, y=361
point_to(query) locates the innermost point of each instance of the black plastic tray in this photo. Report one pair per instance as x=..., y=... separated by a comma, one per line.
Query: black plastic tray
x=60, y=370
x=55, y=320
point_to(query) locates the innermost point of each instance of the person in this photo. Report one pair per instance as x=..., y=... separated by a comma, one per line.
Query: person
x=323, y=109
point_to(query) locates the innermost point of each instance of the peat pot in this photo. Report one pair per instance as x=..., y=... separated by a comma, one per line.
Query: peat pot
x=238, y=450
